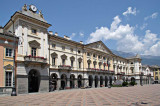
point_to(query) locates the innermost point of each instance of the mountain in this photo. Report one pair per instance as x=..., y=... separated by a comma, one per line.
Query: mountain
x=146, y=59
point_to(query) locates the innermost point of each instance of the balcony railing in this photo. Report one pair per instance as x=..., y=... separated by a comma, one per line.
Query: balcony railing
x=64, y=67
x=35, y=59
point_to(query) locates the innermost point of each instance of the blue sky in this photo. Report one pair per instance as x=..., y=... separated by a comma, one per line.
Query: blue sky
x=124, y=25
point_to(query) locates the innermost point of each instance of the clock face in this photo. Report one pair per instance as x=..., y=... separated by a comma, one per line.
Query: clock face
x=33, y=8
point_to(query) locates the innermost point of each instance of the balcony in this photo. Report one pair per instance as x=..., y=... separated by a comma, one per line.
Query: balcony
x=35, y=60
x=64, y=67
x=96, y=70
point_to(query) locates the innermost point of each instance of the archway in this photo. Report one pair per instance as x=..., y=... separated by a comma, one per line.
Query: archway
x=63, y=81
x=72, y=78
x=110, y=80
x=79, y=81
x=106, y=81
x=96, y=81
x=90, y=80
x=101, y=81
x=53, y=82
x=33, y=81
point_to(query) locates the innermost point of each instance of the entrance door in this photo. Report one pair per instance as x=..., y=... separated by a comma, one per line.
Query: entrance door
x=72, y=78
x=33, y=81
x=79, y=81
x=101, y=81
x=90, y=80
x=63, y=81
x=106, y=81
x=96, y=81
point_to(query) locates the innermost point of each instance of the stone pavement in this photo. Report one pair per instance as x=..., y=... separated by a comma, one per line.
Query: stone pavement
x=147, y=95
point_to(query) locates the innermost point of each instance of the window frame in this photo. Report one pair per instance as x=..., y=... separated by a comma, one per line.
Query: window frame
x=7, y=54
x=33, y=52
x=8, y=80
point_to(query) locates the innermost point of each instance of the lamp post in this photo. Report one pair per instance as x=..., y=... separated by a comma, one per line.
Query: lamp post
x=14, y=48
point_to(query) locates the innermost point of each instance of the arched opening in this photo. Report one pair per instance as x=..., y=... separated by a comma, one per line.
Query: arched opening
x=53, y=82
x=33, y=81
x=79, y=81
x=96, y=81
x=106, y=81
x=101, y=81
x=63, y=81
x=132, y=79
x=72, y=78
x=110, y=80
x=90, y=80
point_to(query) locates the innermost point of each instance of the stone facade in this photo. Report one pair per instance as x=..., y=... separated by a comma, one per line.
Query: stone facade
x=46, y=61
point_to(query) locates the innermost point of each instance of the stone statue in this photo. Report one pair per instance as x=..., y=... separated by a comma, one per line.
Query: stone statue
x=40, y=13
x=24, y=7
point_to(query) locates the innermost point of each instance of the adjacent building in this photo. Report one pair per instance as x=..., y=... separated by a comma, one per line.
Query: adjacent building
x=8, y=45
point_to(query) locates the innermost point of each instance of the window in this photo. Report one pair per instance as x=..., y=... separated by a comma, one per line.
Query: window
x=63, y=61
x=88, y=54
x=99, y=57
x=9, y=52
x=94, y=55
x=71, y=63
x=104, y=66
x=104, y=58
x=53, y=61
x=71, y=49
x=99, y=66
x=33, y=52
x=132, y=70
x=63, y=47
x=88, y=65
x=8, y=78
x=34, y=31
x=79, y=51
x=94, y=65
x=79, y=64
x=53, y=45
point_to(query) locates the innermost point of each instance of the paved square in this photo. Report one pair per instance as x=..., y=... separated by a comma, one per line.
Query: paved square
x=148, y=95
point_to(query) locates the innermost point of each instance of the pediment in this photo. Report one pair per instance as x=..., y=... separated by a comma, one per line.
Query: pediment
x=99, y=45
x=34, y=43
x=9, y=67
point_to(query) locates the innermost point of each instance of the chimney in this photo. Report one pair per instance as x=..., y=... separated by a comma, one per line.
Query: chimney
x=1, y=29
x=81, y=42
x=51, y=32
x=66, y=37
x=56, y=34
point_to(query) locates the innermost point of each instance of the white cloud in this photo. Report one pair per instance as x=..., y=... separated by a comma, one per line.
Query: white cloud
x=72, y=36
x=154, y=50
x=81, y=34
x=153, y=16
x=143, y=26
x=126, y=39
x=130, y=11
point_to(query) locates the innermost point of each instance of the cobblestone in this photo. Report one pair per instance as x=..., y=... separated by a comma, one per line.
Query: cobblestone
x=148, y=95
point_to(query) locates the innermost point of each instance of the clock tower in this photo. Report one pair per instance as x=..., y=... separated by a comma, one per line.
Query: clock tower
x=32, y=58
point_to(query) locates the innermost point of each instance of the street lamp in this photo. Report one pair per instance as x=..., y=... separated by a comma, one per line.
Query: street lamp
x=14, y=88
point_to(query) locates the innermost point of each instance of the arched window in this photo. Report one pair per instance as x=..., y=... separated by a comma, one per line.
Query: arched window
x=94, y=63
x=54, y=56
x=72, y=60
x=64, y=57
x=79, y=62
x=89, y=63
